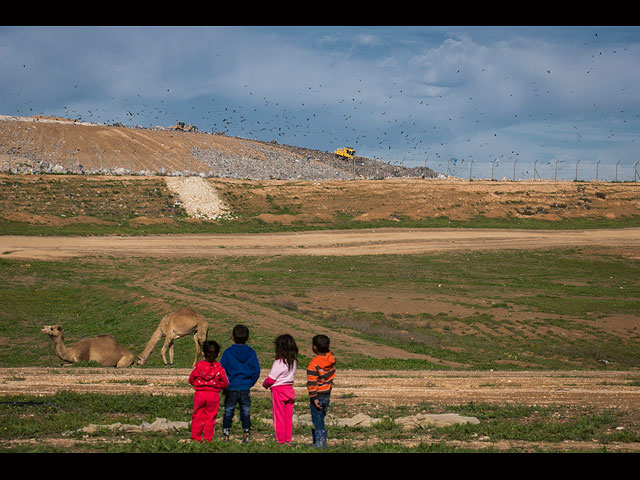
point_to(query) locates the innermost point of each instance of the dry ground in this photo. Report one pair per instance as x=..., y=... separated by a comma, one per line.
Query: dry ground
x=341, y=242
x=601, y=390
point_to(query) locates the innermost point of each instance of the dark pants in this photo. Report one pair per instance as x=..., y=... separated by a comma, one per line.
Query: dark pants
x=318, y=414
x=243, y=400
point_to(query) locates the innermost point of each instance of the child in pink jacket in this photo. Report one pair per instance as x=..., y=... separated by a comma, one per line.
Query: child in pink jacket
x=208, y=378
x=280, y=381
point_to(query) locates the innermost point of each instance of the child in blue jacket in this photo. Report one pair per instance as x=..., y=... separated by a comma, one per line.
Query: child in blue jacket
x=241, y=364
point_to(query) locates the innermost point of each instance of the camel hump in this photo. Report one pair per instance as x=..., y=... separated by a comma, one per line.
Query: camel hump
x=184, y=316
x=186, y=312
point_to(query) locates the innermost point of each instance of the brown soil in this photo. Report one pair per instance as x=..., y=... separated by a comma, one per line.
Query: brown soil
x=601, y=389
x=341, y=242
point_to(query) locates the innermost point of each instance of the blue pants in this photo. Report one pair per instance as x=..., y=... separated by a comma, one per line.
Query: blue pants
x=243, y=400
x=318, y=414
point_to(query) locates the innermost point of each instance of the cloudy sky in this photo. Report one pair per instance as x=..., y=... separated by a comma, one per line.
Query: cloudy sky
x=478, y=101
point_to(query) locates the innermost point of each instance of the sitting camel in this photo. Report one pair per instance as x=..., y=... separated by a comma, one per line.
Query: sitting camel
x=103, y=349
x=175, y=325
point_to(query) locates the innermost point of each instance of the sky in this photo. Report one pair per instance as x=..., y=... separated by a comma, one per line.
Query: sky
x=516, y=102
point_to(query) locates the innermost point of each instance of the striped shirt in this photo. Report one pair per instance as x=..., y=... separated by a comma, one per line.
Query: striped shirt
x=320, y=374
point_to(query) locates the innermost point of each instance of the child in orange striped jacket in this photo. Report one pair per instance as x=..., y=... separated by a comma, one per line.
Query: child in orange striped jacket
x=321, y=372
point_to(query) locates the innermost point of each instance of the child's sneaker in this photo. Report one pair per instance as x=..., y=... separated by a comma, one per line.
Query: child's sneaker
x=245, y=436
x=225, y=434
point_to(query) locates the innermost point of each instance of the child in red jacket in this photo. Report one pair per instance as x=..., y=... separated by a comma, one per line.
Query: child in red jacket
x=208, y=378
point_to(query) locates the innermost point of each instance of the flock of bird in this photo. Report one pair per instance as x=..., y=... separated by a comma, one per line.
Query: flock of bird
x=405, y=131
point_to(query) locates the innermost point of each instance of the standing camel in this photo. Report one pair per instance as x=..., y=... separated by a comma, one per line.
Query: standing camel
x=103, y=349
x=175, y=325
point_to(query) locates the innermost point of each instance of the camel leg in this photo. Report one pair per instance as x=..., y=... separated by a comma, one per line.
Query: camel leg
x=126, y=360
x=168, y=344
x=199, y=338
x=198, y=348
x=153, y=341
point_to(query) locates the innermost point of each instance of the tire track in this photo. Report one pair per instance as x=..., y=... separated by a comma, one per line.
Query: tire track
x=329, y=242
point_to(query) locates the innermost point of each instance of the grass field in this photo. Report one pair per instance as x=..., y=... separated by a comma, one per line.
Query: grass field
x=558, y=310
x=544, y=310
x=25, y=417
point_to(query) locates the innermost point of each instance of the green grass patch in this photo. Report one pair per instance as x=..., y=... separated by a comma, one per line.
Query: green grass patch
x=64, y=414
x=500, y=310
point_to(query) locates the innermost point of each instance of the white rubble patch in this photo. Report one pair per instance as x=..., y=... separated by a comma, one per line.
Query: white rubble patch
x=419, y=421
x=198, y=197
x=159, y=425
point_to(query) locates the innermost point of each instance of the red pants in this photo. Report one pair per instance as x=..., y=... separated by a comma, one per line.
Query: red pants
x=205, y=409
x=283, y=398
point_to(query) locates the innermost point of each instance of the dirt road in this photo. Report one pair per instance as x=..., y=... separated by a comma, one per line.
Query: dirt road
x=338, y=242
x=602, y=389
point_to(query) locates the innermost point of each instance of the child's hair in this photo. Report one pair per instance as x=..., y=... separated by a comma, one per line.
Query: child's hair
x=322, y=343
x=210, y=349
x=240, y=334
x=286, y=349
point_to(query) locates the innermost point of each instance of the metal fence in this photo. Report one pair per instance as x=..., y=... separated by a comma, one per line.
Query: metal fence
x=555, y=170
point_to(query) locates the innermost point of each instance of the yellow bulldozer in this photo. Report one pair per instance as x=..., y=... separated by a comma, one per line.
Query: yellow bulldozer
x=182, y=127
x=346, y=152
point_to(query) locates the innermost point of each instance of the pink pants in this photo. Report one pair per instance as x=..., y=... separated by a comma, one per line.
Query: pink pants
x=283, y=397
x=205, y=409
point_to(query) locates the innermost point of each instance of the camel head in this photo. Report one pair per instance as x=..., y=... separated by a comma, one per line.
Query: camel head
x=53, y=331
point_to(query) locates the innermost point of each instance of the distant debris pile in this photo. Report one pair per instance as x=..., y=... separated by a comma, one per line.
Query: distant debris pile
x=295, y=163
x=50, y=145
x=264, y=163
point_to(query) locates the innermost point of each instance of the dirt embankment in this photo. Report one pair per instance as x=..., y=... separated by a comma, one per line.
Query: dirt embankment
x=53, y=145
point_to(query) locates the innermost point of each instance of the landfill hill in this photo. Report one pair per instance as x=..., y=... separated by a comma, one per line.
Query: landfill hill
x=43, y=144
x=257, y=183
